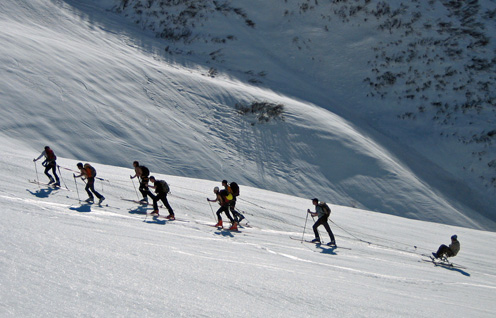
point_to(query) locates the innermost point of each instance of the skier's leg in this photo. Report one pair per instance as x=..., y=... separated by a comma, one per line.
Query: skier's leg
x=315, y=228
x=328, y=229
x=166, y=204
x=47, y=173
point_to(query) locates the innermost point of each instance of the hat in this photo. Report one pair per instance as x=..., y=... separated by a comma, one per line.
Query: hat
x=454, y=237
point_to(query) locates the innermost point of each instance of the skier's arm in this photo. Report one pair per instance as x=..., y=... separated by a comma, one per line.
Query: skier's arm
x=42, y=154
x=311, y=213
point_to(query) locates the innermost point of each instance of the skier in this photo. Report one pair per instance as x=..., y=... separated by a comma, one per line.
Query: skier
x=142, y=173
x=88, y=172
x=161, y=189
x=221, y=197
x=322, y=212
x=49, y=164
x=448, y=251
x=238, y=217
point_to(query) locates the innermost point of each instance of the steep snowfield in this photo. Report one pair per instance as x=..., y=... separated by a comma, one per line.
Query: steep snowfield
x=60, y=257
x=95, y=91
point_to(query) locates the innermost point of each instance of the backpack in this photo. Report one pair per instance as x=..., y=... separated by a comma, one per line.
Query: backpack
x=165, y=186
x=145, y=172
x=224, y=194
x=325, y=208
x=234, y=188
x=50, y=155
x=90, y=171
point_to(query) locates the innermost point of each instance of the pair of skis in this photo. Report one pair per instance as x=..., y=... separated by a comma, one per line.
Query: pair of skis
x=318, y=243
x=442, y=262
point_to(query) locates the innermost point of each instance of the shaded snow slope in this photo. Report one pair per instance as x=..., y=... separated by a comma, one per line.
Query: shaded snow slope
x=96, y=92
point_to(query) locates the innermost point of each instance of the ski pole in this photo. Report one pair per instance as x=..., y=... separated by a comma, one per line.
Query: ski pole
x=36, y=169
x=304, y=228
x=79, y=199
x=212, y=209
x=137, y=196
x=63, y=181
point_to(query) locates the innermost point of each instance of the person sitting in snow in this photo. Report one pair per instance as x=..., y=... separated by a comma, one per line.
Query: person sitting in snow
x=448, y=251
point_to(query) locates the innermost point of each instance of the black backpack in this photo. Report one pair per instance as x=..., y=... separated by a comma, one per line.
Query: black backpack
x=234, y=188
x=165, y=186
x=325, y=208
x=144, y=171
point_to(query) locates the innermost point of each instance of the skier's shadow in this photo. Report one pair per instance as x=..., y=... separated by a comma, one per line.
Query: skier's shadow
x=82, y=208
x=327, y=250
x=453, y=269
x=155, y=220
x=139, y=210
x=42, y=193
x=225, y=233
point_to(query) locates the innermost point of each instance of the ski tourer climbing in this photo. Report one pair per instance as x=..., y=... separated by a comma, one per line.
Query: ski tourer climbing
x=322, y=211
x=142, y=173
x=233, y=189
x=221, y=198
x=50, y=164
x=89, y=173
x=161, y=189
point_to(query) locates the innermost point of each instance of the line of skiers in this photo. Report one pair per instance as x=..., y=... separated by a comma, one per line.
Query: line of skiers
x=226, y=198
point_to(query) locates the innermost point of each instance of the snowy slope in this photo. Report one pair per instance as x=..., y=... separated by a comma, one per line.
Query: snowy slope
x=95, y=91
x=61, y=258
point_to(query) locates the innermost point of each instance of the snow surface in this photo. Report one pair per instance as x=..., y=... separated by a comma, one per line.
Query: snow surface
x=97, y=92
x=63, y=258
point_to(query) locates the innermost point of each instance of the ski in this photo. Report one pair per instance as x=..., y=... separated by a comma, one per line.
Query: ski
x=318, y=243
x=165, y=218
x=442, y=262
x=140, y=202
x=50, y=185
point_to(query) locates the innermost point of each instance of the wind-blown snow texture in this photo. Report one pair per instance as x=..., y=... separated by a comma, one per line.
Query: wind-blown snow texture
x=95, y=87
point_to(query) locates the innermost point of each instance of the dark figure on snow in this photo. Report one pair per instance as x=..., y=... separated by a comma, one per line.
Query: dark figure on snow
x=322, y=211
x=142, y=173
x=238, y=217
x=448, y=251
x=221, y=197
x=161, y=189
x=49, y=164
x=88, y=172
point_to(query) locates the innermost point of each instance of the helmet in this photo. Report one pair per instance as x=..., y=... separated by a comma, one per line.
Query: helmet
x=454, y=237
x=79, y=164
x=216, y=189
